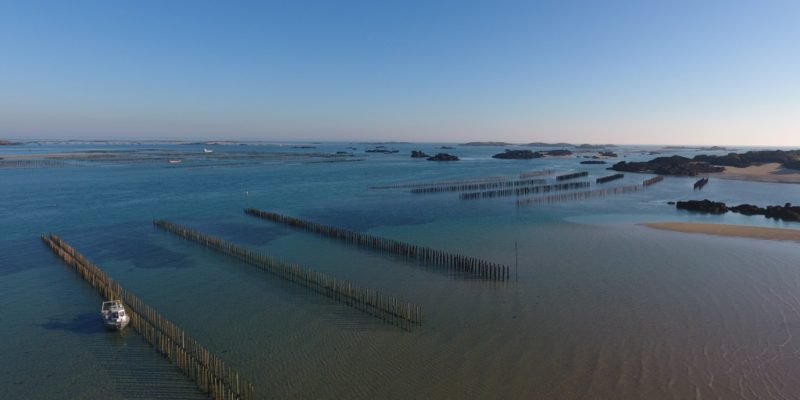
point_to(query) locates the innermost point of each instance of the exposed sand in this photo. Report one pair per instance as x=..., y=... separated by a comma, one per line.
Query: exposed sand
x=746, y=231
x=772, y=172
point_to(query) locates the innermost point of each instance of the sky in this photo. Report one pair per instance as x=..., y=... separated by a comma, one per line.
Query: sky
x=643, y=72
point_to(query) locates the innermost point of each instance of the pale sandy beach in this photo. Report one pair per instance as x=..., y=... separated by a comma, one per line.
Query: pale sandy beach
x=771, y=172
x=745, y=231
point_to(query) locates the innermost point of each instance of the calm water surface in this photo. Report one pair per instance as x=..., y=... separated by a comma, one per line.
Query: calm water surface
x=600, y=307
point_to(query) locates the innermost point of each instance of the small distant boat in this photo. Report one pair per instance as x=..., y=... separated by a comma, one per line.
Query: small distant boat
x=114, y=315
x=175, y=161
x=207, y=151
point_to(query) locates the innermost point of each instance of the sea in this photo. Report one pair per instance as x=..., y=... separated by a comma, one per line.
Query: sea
x=597, y=306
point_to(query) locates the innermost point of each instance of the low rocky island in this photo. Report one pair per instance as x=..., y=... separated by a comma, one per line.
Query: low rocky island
x=675, y=165
x=593, y=162
x=418, y=154
x=703, y=164
x=786, y=212
x=528, y=154
x=8, y=143
x=443, y=157
x=788, y=159
x=518, y=155
x=382, y=149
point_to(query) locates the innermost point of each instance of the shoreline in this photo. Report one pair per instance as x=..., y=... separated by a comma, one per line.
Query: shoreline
x=742, y=231
x=770, y=172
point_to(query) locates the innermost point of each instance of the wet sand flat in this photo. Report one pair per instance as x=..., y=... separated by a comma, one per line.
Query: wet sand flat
x=772, y=172
x=745, y=231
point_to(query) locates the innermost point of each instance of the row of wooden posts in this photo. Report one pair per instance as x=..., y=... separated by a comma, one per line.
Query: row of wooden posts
x=454, y=262
x=33, y=163
x=653, y=180
x=700, y=183
x=388, y=308
x=609, y=178
x=479, y=186
x=521, y=191
x=531, y=174
x=573, y=175
x=556, y=198
x=206, y=369
x=464, y=181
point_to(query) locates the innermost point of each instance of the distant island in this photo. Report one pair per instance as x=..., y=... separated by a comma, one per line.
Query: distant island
x=8, y=143
x=518, y=155
x=212, y=142
x=594, y=146
x=382, y=149
x=702, y=148
x=542, y=144
x=487, y=144
x=528, y=154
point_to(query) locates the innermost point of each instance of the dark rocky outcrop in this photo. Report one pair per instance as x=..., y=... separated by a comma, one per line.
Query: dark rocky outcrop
x=786, y=212
x=705, y=206
x=608, y=154
x=560, y=152
x=518, y=155
x=593, y=162
x=792, y=164
x=418, y=154
x=675, y=165
x=443, y=157
x=8, y=143
x=747, y=209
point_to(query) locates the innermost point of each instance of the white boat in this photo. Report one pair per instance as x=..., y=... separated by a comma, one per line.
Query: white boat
x=114, y=315
x=207, y=151
x=175, y=161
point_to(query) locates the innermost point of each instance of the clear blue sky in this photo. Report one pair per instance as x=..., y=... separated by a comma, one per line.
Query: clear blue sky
x=693, y=72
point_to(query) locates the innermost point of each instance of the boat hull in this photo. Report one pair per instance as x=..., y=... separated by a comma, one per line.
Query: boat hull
x=117, y=325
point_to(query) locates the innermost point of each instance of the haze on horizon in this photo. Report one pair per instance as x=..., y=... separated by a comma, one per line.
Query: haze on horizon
x=716, y=72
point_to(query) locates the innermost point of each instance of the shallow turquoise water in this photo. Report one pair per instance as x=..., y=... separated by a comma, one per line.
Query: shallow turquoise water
x=602, y=307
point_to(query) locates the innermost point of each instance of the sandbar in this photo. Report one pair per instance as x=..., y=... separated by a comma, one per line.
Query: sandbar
x=745, y=231
x=771, y=172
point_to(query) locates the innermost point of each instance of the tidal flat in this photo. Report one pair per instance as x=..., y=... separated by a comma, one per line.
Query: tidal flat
x=595, y=305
